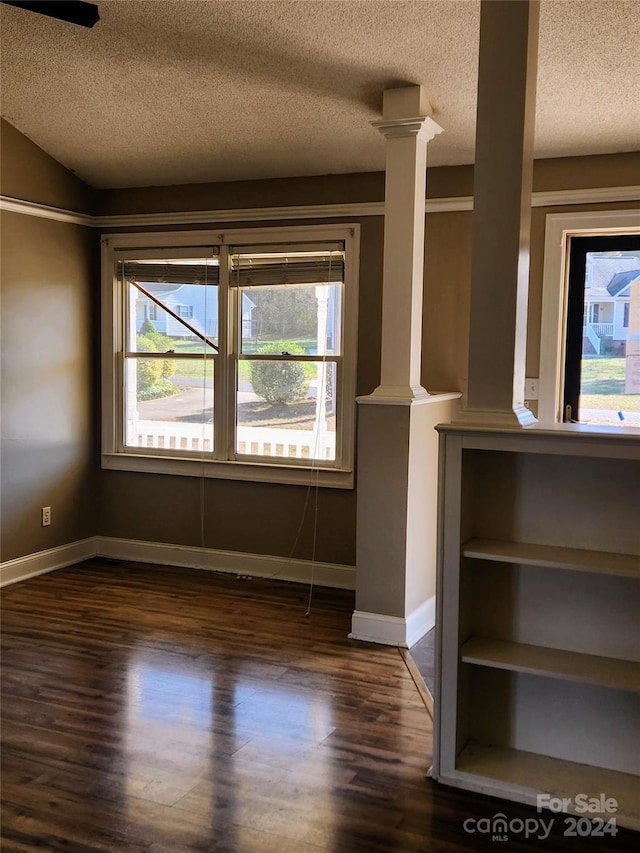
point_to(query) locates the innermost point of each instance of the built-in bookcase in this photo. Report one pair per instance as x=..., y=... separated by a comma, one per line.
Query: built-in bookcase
x=538, y=629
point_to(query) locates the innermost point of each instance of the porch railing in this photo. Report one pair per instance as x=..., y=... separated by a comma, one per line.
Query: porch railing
x=595, y=332
x=603, y=330
x=254, y=441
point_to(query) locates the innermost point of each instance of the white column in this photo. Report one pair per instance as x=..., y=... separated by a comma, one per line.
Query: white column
x=502, y=213
x=397, y=442
x=407, y=128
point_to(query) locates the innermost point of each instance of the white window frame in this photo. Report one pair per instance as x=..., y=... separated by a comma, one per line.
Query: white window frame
x=114, y=455
x=559, y=228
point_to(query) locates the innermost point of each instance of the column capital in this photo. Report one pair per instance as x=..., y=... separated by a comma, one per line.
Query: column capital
x=423, y=127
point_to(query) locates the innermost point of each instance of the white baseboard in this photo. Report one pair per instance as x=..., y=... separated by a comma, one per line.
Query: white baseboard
x=22, y=568
x=234, y=562
x=394, y=630
x=239, y=563
x=421, y=621
x=378, y=628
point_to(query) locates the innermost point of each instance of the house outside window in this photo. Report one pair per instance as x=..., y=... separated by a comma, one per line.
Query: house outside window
x=596, y=362
x=231, y=355
x=601, y=359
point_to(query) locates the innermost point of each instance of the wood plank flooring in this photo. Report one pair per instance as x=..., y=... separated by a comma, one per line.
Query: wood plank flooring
x=159, y=709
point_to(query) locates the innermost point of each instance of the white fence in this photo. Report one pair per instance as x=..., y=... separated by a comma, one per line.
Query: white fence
x=253, y=441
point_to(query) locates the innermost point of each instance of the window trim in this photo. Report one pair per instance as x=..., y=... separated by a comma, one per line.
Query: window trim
x=559, y=227
x=267, y=470
x=579, y=249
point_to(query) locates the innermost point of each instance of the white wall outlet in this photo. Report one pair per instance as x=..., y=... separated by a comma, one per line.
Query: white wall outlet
x=531, y=389
x=46, y=516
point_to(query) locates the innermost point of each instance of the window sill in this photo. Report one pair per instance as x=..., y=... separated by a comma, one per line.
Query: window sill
x=252, y=472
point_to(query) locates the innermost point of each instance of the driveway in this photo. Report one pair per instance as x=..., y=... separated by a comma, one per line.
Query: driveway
x=195, y=403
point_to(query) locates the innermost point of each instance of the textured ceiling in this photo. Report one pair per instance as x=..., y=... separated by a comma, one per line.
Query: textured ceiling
x=180, y=91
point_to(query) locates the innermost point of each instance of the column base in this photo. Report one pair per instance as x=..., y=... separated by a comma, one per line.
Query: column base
x=519, y=416
x=400, y=393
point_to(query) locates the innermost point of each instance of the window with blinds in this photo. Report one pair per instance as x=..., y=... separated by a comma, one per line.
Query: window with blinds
x=234, y=353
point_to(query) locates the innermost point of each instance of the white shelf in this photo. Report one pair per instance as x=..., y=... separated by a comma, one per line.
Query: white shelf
x=553, y=556
x=515, y=774
x=552, y=663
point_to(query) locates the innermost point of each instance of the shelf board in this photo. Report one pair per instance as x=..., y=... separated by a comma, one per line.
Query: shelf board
x=552, y=663
x=553, y=556
x=520, y=775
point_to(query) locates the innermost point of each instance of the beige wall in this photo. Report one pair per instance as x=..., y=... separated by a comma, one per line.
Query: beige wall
x=49, y=384
x=48, y=434
x=28, y=173
x=560, y=173
x=255, y=517
x=447, y=251
x=280, y=192
x=242, y=516
x=447, y=292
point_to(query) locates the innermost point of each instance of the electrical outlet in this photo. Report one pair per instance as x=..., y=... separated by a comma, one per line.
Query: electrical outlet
x=531, y=389
x=46, y=516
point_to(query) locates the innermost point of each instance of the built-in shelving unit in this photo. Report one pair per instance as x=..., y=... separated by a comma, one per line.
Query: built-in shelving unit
x=538, y=636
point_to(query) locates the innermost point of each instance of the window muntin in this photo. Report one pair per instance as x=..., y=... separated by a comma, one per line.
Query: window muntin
x=310, y=274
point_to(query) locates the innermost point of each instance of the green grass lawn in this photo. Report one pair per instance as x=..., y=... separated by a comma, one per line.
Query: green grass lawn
x=602, y=385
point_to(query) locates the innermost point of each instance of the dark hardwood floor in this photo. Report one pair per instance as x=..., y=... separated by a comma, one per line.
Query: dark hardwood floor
x=158, y=709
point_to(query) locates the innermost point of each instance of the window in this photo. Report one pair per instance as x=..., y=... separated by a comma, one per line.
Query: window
x=601, y=385
x=566, y=318
x=231, y=355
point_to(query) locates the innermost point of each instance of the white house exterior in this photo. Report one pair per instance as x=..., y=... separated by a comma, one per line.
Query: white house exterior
x=196, y=304
x=606, y=302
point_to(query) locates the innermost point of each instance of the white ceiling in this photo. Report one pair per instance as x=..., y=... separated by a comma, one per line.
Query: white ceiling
x=180, y=91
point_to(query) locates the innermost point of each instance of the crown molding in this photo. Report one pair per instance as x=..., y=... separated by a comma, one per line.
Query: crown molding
x=452, y=204
x=555, y=198
x=45, y=211
x=597, y=195
x=249, y=214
